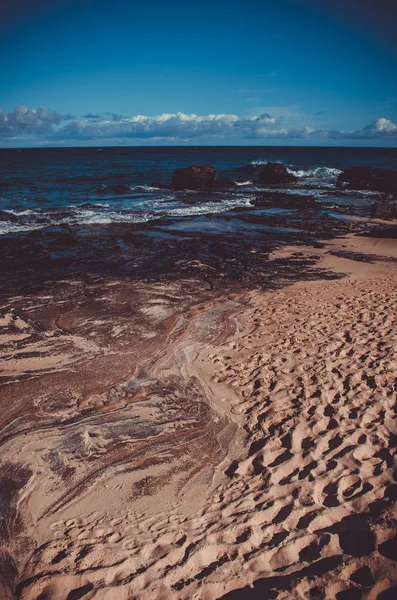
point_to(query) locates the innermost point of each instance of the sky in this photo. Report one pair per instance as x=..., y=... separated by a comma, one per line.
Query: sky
x=227, y=72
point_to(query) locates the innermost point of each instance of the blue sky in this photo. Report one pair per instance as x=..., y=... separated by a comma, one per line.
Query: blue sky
x=249, y=72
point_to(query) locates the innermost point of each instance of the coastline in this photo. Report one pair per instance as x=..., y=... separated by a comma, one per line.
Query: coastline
x=172, y=454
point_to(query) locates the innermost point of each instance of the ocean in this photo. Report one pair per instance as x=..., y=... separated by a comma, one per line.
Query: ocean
x=43, y=188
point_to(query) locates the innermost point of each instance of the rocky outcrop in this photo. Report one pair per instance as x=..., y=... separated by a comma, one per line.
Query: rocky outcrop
x=269, y=173
x=272, y=173
x=201, y=178
x=384, y=210
x=369, y=178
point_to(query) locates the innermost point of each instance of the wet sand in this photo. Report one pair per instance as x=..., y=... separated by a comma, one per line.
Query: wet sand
x=181, y=438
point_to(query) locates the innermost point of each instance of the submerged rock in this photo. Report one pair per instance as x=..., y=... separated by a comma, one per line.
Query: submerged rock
x=384, y=210
x=269, y=173
x=199, y=178
x=369, y=178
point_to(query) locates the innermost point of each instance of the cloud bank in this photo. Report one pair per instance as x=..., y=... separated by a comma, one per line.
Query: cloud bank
x=23, y=121
x=46, y=126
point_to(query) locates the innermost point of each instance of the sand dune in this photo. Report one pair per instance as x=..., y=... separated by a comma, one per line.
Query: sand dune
x=254, y=458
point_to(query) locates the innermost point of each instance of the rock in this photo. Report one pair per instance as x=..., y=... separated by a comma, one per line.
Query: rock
x=369, y=178
x=384, y=210
x=269, y=173
x=200, y=178
x=275, y=173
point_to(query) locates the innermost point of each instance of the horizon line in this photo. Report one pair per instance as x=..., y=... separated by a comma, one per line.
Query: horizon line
x=196, y=146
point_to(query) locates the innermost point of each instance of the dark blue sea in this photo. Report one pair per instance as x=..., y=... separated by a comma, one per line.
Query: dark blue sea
x=41, y=188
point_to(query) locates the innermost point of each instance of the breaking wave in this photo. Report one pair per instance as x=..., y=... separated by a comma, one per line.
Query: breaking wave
x=329, y=174
x=262, y=161
x=120, y=189
x=150, y=209
x=326, y=174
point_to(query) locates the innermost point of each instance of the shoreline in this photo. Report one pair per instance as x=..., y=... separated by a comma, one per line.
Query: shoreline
x=207, y=426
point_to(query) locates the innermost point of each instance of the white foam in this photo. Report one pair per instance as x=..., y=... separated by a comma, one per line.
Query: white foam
x=213, y=208
x=322, y=173
x=263, y=161
x=295, y=191
x=144, y=188
x=92, y=217
x=20, y=213
x=6, y=228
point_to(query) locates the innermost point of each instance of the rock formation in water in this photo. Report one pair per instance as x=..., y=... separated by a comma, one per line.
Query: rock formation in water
x=201, y=178
x=269, y=173
x=369, y=178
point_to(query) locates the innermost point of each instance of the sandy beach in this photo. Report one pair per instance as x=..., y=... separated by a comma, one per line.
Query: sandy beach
x=158, y=443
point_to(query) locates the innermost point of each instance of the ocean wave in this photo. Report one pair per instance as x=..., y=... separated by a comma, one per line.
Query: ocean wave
x=20, y=213
x=329, y=174
x=90, y=214
x=322, y=173
x=106, y=218
x=213, y=208
x=145, y=188
x=242, y=183
x=6, y=227
x=264, y=161
x=121, y=188
x=303, y=191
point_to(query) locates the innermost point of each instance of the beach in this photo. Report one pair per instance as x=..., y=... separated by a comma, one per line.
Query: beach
x=249, y=453
x=201, y=407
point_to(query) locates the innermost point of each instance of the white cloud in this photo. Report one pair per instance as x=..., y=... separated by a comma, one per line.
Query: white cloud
x=380, y=129
x=24, y=121
x=382, y=126
x=173, y=126
x=47, y=126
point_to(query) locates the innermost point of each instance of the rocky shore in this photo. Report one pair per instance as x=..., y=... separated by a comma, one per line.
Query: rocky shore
x=203, y=178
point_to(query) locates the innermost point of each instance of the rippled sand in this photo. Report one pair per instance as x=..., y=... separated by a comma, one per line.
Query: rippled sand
x=162, y=444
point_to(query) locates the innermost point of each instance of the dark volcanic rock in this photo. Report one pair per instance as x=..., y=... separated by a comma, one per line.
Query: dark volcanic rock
x=384, y=210
x=369, y=178
x=275, y=173
x=269, y=173
x=201, y=178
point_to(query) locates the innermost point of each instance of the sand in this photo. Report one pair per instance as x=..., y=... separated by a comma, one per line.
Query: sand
x=250, y=453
